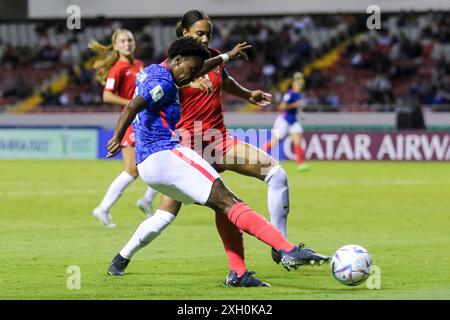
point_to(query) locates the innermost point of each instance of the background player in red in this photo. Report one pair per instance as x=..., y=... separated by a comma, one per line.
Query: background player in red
x=202, y=120
x=117, y=71
x=288, y=122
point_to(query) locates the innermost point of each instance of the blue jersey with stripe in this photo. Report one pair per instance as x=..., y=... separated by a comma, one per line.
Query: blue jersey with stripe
x=154, y=126
x=291, y=97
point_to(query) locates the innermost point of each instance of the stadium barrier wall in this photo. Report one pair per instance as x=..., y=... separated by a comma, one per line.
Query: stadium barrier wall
x=48, y=143
x=393, y=146
x=54, y=143
x=342, y=145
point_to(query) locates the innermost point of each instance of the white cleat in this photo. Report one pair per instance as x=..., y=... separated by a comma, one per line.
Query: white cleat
x=104, y=217
x=145, y=206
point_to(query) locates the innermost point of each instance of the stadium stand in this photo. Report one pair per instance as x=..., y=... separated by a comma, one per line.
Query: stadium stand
x=44, y=68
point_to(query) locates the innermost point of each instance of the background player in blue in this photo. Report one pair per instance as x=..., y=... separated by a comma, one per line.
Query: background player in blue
x=287, y=123
x=179, y=172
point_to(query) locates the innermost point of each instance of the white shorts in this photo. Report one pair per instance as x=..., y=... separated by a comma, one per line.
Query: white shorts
x=282, y=128
x=179, y=173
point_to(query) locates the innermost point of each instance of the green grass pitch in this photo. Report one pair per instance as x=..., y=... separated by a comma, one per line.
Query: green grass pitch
x=400, y=212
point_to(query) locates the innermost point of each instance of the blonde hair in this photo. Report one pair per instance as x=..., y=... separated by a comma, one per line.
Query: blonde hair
x=108, y=55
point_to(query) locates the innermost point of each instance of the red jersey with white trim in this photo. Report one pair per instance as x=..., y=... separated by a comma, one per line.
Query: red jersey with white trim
x=121, y=79
x=201, y=106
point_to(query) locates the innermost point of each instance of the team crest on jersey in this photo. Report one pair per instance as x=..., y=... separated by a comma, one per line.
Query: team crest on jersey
x=157, y=93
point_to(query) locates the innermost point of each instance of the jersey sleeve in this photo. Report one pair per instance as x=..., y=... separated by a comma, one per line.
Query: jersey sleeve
x=156, y=92
x=287, y=97
x=113, y=80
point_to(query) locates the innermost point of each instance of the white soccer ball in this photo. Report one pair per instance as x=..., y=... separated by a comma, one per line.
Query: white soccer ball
x=350, y=265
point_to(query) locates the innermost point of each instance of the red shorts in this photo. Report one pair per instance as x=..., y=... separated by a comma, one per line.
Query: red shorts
x=128, y=138
x=210, y=149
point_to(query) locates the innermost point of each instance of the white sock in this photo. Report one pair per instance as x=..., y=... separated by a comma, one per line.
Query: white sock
x=278, y=197
x=147, y=232
x=150, y=194
x=115, y=190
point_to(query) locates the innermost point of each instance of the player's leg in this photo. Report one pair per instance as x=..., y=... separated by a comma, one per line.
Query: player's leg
x=249, y=160
x=117, y=187
x=278, y=126
x=196, y=181
x=233, y=243
x=145, y=203
x=146, y=232
x=151, y=228
x=252, y=161
x=224, y=201
x=274, y=141
x=296, y=133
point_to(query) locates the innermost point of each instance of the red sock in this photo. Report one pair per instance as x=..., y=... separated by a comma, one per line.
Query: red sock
x=233, y=243
x=299, y=154
x=256, y=225
x=267, y=146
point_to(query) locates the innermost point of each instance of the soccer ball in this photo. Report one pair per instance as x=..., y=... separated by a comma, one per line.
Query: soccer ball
x=350, y=265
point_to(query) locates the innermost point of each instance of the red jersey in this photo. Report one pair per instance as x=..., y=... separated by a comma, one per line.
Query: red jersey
x=201, y=106
x=121, y=79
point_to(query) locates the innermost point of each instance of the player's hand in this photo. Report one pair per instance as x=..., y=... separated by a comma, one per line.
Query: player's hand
x=113, y=147
x=203, y=85
x=260, y=98
x=238, y=52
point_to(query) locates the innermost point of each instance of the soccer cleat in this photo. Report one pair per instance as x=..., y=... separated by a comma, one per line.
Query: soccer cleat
x=302, y=256
x=303, y=167
x=104, y=217
x=118, y=266
x=276, y=256
x=246, y=280
x=145, y=206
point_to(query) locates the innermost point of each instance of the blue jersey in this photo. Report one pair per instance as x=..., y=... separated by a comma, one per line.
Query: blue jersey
x=291, y=97
x=154, y=126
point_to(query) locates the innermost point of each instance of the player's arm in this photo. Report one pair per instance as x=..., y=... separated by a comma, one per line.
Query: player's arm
x=231, y=86
x=237, y=52
x=113, y=83
x=111, y=98
x=289, y=106
x=125, y=119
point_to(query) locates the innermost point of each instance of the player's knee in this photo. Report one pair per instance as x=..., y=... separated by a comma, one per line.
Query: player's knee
x=228, y=201
x=169, y=205
x=222, y=198
x=276, y=176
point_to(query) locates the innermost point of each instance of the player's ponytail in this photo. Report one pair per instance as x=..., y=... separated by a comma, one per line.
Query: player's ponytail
x=108, y=56
x=179, y=29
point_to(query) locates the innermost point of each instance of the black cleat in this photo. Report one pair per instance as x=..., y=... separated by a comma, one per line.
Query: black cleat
x=246, y=280
x=276, y=256
x=302, y=256
x=118, y=266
